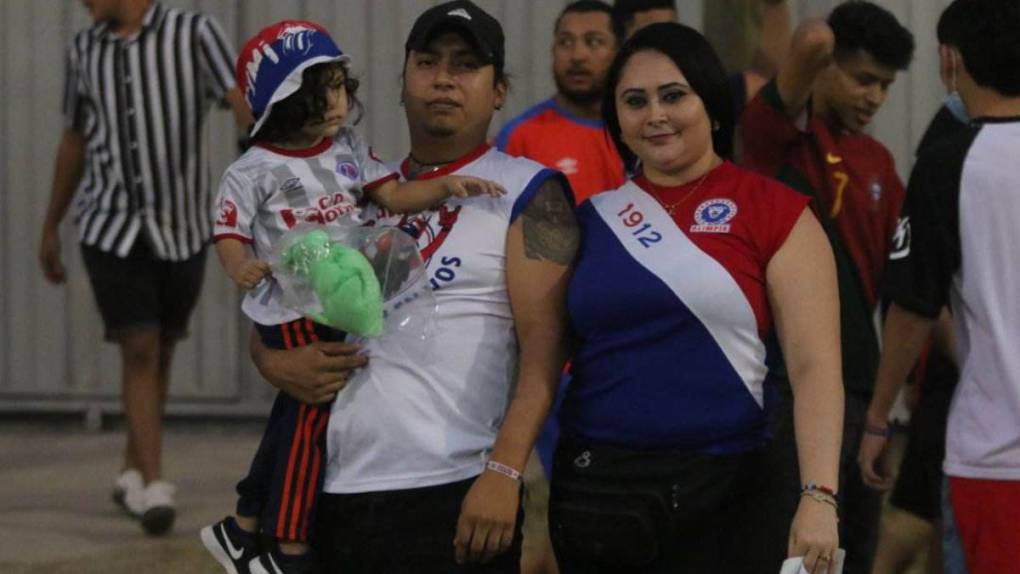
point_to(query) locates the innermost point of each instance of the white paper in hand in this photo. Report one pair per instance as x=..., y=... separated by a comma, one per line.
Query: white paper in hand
x=796, y=565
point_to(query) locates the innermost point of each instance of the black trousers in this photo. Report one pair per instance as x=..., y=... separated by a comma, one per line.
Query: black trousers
x=613, y=510
x=400, y=531
x=285, y=477
x=859, y=506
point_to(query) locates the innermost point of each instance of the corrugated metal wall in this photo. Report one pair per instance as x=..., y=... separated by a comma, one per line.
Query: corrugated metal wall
x=51, y=352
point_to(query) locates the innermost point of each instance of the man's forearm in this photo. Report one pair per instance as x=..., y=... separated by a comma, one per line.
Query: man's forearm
x=904, y=336
x=541, y=359
x=67, y=172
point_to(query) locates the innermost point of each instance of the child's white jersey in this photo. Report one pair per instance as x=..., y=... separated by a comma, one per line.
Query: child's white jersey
x=403, y=422
x=269, y=190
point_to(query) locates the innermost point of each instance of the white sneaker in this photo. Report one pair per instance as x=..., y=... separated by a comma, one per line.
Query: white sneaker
x=127, y=492
x=159, y=509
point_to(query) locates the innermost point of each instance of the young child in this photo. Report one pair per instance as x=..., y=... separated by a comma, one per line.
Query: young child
x=304, y=167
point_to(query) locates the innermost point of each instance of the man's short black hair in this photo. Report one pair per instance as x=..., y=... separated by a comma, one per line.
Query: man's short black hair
x=986, y=34
x=587, y=6
x=860, y=25
x=625, y=9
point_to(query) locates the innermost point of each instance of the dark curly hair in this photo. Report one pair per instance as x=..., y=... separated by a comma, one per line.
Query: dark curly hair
x=985, y=33
x=288, y=116
x=860, y=25
x=698, y=62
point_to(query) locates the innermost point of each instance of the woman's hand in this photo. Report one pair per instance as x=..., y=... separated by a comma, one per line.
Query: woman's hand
x=814, y=535
x=313, y=373
x=488, y=517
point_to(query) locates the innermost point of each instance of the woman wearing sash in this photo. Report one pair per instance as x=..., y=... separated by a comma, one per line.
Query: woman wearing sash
x=682, y=274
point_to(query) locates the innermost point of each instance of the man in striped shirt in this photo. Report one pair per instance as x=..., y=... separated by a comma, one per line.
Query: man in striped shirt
x=138, y=86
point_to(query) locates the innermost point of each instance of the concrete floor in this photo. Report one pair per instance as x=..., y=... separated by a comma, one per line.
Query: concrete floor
x=56, y=515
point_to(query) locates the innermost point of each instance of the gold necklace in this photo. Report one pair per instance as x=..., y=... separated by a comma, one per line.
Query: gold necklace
x=671, y=208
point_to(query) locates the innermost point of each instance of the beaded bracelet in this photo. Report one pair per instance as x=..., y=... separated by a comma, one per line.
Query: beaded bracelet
x=812, y=487
x=821, y=497
x=875, y=430
x=503, y=469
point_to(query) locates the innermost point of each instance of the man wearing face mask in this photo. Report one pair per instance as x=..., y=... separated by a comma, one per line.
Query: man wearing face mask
x=958, y=226
x=914, y=523
x=565, y=131
x=805, y=128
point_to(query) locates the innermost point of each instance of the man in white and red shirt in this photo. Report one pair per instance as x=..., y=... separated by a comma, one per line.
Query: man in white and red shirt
x=424, y=454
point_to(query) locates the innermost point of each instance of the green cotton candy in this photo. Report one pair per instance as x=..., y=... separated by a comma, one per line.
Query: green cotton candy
x=342, y=279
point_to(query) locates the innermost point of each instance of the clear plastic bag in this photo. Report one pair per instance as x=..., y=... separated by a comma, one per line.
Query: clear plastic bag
x=367, y=281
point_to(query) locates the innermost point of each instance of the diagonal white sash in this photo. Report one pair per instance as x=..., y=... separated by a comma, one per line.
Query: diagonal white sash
x=700, y=282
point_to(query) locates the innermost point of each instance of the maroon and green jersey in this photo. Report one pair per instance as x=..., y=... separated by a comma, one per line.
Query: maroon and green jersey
x=857, y=195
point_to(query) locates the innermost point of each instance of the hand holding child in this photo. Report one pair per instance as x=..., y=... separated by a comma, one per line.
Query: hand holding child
x=467, y=186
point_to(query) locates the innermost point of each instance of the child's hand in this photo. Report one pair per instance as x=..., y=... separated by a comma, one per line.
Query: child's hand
x=467, y=186
x=249, y=272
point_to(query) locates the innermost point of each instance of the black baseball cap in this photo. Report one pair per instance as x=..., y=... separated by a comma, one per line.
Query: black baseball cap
x=484, y=30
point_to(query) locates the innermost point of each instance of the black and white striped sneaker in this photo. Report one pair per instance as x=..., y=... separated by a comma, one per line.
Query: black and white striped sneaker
x=230, y=545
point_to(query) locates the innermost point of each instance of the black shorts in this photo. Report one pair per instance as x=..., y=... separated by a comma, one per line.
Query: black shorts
x=140, y=291
x=919, y=484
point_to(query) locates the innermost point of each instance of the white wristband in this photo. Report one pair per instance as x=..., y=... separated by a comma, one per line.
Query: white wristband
x=503, y=469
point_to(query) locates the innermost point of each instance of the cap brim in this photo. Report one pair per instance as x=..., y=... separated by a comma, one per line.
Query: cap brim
x=293, y=84
x=453, y=23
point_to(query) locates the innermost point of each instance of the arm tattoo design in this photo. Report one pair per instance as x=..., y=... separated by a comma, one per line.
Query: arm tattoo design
x=549, y=226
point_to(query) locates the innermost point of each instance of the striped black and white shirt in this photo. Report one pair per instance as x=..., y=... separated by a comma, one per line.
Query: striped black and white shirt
x=140, y=103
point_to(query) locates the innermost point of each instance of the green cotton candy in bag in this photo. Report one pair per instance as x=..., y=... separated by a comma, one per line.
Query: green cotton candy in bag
x=342, y=279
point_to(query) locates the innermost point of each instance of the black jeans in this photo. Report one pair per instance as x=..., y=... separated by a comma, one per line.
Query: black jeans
x=617, y=510
x=400, y=531
x=859, y=506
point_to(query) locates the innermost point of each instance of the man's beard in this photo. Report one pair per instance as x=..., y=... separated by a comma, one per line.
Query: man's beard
x=580, y=97
x=439, y=130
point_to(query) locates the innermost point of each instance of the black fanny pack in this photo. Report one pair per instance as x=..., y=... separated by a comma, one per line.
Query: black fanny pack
x=622, y=507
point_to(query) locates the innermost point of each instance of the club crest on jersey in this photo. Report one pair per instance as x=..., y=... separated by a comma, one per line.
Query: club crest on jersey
x=228, y=214
x=714, y=216
x=347, y=168
x=430, y=231
x=876, y=191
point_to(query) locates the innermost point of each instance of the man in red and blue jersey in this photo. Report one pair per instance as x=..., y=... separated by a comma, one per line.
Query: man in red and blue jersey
x=565, y=132
x=805, y=128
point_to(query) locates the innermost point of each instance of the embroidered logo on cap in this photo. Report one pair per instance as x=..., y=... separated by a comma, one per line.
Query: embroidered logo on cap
x=459, y=12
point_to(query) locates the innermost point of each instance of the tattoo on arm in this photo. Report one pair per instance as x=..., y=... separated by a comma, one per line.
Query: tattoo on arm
x=549, y=226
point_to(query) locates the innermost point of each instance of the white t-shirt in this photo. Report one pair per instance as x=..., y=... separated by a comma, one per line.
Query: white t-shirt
x=403, y=424
x=269, y=190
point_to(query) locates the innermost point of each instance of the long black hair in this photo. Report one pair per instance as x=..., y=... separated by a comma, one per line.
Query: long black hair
x=694, y=56
x=288, y=116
